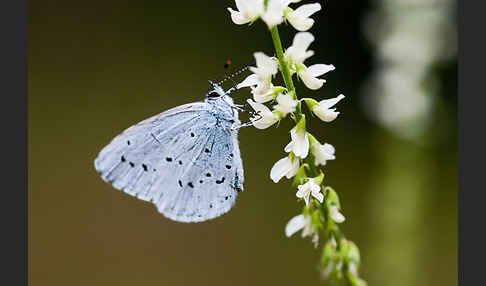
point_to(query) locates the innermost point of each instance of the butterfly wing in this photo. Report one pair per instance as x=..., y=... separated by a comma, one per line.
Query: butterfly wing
x=185, y=160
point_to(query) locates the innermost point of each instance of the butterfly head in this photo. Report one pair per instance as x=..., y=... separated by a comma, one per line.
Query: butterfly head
x=215, y=91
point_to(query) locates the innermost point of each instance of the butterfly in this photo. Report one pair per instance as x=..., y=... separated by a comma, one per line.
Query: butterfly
x=186, y=160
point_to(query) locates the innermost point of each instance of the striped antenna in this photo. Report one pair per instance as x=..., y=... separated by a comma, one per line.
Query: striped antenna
x=234, y=74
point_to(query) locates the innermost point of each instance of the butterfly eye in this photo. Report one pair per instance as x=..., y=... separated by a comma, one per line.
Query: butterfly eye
x=213, y=94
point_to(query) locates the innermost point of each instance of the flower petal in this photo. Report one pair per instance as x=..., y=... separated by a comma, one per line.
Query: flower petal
x=295, y=224
x=237, y=17
x=315, y=188
x=301, y=24
x=301, y=193
x=248, y=10
x=279, y=169
x=326, y=115
x=328, y=103
x=264, y=123
x=258, y=107
x=289, y=147
x=300, y=141
x=308, y=9
x=320, y=69
x=273, y=15
x=297, y=53
x=295, y=168
x=299, y=18
x=287, y=2
x=250, y=80
x=310, y=80
x=266, y=66
x=323, y=110
x=335, y=214
x=308, y=230
x=306, y=200
x=329, y=148
x=265, y=117
x=319, y=196
x=263, y=86
x=322, y=153
x=286, y=104
x=262, y=98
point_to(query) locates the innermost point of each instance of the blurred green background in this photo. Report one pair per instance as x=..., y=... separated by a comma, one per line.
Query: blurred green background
x=97, y=67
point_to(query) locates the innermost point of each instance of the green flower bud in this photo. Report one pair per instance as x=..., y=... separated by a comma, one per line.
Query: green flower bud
x=301, y=174
x=332, y=197
x=310, y=102
x=318, y=180
x=301, y=124
x=353, y=253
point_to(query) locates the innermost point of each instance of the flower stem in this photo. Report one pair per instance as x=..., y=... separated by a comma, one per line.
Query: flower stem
x=285, y=70
x=313, y=171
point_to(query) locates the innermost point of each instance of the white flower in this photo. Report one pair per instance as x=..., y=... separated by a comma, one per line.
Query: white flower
x=273, y=15
x=302, y=222
x=265, y=117
x=335, y=214
x=286, y=104
x=308, y=189
x=287, y=2
x=299, y=144
x=322, y=153
x=248, y=10
x=284, y=167
x=252, y=82
x=299, y=18
x=324, y=111
x=297, y=53
x=265, y=97
x=309, y=75
x=265, y=68
x=297, y=223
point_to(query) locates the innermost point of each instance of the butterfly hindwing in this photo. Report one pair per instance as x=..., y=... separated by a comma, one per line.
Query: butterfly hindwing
x=185, y=160
x=209, y=186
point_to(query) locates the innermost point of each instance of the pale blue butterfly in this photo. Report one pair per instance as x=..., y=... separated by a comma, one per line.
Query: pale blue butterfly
x=185, y=160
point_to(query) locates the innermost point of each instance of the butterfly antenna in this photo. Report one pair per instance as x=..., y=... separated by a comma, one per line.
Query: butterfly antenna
x=231, y=76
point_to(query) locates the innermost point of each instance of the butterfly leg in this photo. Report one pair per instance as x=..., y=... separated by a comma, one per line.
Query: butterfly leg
x=249, y=123
x=233, y=88
x=240, y=107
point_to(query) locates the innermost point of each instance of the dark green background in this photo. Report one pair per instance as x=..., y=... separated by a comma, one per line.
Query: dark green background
x=97, y=67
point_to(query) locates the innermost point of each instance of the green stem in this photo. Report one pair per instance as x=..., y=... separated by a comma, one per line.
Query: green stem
x=285, y=70
x=287, y=77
